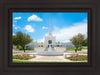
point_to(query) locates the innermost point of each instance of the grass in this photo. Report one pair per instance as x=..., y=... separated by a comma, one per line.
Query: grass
x=20, y=61
x=27, y=50
x=74, y=49
x=70, y=49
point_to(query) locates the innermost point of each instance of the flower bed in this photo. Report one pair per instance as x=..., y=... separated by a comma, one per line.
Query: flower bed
x=21, y=57
x=78, y=58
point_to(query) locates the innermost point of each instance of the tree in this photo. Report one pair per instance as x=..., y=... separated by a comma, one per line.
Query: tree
x=85, y=42
x=21, y=39
x=77, y=40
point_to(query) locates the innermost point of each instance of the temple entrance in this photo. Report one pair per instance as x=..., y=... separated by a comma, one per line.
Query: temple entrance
x=50, y=42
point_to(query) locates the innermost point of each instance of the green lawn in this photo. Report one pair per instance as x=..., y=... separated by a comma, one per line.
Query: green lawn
x=20, y=61
x=27, y=50
x=70, y=49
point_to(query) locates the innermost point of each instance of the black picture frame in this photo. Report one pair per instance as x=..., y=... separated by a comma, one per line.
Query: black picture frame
x=7, y=67
x=11, y=10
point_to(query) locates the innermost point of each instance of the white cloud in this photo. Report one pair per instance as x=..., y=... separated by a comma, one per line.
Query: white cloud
x=16, y=28
x=44, y=27
x=29, y=28
x=17, y=17
x=34, y=18
x=41, y=40
x=65, y=34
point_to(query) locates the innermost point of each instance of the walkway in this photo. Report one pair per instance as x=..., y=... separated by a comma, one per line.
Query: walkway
x=49, y=58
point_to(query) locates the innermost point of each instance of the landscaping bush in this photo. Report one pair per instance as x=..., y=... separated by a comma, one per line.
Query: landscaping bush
x=21, y=57
x=78, y=58
x=41, y=45
x=27, y=47
x=74, y=48
x=80, y=48
x=20, y=47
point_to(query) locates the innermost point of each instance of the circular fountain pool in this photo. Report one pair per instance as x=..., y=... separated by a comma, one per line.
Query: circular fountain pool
x=50, y=52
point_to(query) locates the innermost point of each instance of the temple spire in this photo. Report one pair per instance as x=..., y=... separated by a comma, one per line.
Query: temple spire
x=49, y=26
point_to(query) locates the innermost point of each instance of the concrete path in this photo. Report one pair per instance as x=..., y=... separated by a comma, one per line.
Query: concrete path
x=49, y=58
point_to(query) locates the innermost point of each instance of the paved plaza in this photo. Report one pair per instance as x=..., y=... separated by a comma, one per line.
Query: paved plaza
x=49, y=58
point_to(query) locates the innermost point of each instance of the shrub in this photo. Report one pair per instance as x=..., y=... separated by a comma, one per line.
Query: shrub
x=77, y=58
x=21, y=57
x=27, y=47
x=74, y=48
x=40, y=45
x=80, y=48
x=20, y=47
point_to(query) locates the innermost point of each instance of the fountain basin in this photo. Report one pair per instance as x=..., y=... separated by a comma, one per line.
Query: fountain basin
x=50, y=53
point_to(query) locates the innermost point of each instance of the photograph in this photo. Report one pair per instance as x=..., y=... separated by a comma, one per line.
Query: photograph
x=49, y=37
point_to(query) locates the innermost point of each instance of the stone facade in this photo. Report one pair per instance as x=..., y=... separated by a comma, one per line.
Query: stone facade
x=49, y=40
x=67, y=45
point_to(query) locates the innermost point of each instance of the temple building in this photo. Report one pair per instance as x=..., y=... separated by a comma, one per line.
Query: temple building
x=49, y=39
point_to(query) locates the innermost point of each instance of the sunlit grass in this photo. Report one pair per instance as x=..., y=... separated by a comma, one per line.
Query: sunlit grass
x=21, y=61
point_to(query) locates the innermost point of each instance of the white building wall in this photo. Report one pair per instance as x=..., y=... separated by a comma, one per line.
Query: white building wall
x=47, y=38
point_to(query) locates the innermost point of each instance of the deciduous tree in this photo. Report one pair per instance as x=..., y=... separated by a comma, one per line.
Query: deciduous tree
x=77, y=40
x=21, y=39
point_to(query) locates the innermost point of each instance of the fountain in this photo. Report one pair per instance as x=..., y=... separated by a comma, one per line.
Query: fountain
x=50, y=52
x=49, y=49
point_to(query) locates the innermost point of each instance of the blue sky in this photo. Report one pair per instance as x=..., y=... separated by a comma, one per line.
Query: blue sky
x=63, y=25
